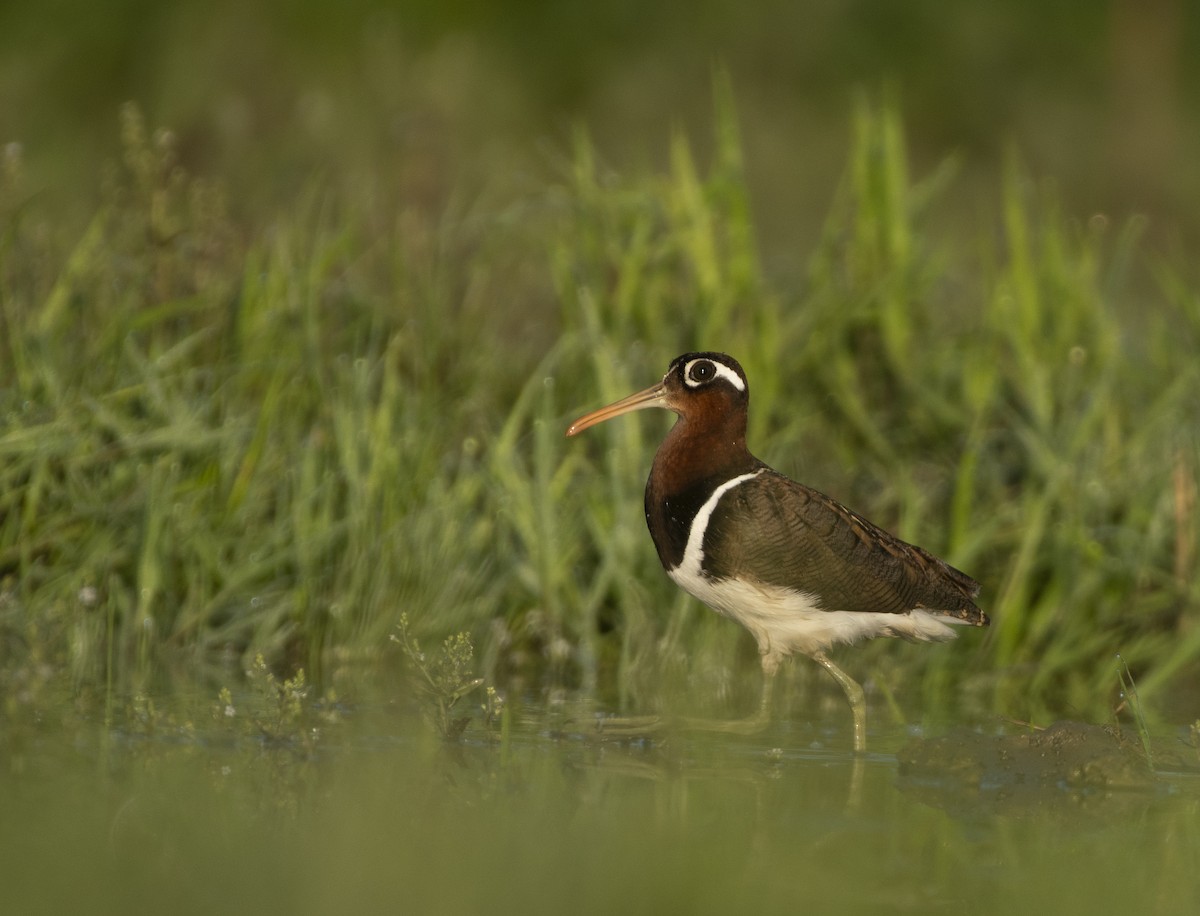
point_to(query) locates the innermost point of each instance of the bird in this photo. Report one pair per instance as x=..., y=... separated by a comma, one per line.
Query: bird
x=796, y=568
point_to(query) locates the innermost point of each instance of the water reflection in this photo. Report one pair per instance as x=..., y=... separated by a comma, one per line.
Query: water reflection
x=379, y=813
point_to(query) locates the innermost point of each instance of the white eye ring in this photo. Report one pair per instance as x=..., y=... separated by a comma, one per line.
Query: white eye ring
x=720, y=371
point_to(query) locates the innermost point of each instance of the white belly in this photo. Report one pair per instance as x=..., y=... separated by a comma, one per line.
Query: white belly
x=783, y=620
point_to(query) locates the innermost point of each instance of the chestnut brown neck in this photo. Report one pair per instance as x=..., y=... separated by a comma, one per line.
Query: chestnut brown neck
x=705, y=448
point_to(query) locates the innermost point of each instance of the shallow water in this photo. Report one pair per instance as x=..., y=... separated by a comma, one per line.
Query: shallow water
x=182, y=812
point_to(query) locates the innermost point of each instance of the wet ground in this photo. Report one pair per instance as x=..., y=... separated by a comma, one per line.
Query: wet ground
x=366, y=809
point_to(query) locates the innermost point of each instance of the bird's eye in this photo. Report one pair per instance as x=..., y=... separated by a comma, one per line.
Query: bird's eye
x=702, y=371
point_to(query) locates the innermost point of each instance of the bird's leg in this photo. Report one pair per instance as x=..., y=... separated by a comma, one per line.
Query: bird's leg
x=624, y=727
x=854, y=693
x=750, y=725
x=770, y=665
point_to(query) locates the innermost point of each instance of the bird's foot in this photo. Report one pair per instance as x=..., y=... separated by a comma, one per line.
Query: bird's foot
x=749, y=725
x=619, y=727
x=623, y=727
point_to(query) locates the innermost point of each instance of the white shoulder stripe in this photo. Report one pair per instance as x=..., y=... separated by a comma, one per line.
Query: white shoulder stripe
x=693, y=553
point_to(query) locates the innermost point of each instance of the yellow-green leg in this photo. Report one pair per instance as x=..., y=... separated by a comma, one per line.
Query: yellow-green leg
x=751, y=725
x=622, y=726
x=854, y=693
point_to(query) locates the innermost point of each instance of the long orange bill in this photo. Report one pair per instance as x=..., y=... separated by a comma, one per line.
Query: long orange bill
x=654, y=396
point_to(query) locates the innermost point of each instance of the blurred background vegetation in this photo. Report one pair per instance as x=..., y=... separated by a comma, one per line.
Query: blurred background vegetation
x=424, y=98
x=289, y=342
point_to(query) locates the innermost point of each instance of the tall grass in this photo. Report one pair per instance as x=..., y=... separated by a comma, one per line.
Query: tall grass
x=219, y=440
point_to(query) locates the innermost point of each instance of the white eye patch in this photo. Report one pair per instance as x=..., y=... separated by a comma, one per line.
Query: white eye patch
x=702, y=371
